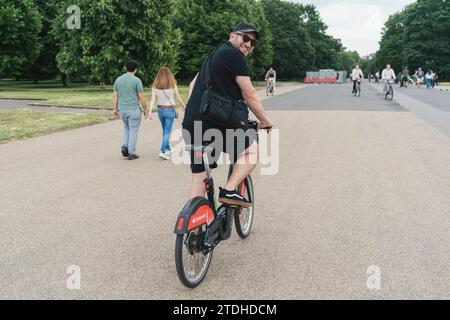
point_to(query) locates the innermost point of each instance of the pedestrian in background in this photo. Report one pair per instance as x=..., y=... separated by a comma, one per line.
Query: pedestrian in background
x=128, y=93
x=429, y=79
x=164, y=91
x=435, y=79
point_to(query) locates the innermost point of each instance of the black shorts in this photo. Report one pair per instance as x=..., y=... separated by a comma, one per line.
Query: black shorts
x=234, y=142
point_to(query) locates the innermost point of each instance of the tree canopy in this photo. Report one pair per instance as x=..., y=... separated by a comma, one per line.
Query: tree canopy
x=20, y=24
x=207, y=23
x=38, y=44
x=113, y=32
x=418, y=36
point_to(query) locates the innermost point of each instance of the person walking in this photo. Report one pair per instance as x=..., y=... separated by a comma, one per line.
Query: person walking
x=128, y=93
x=429, y=79
x=435, y=79
x=164, y=91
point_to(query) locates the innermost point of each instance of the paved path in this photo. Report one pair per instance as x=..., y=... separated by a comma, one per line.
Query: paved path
x=433, y=106
x=24, y=104
x=356, y=187
x=12, y=104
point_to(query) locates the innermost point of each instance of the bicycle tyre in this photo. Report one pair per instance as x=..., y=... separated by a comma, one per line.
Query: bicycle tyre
x=390, y=95
x=181, y=250
x=244, y=225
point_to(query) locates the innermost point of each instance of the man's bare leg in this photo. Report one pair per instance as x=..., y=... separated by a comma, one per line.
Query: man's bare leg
x=197, y=185
x=245, y=164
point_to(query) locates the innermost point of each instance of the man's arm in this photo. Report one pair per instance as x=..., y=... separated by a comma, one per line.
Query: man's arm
x=144, y=104
x=255, y=105
x=116, y=104
x=191, y=85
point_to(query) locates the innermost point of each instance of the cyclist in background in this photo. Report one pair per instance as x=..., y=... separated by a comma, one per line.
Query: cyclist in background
x=271, y=75
x=387, y=75
x=357, y=75
x=405, y=76
x=420, y=77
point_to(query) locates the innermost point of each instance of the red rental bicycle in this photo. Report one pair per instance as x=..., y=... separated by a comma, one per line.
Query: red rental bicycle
x=201, y=225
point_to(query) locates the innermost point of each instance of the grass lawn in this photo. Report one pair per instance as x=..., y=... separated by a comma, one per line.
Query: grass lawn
x=77, y=95
x=19, y=124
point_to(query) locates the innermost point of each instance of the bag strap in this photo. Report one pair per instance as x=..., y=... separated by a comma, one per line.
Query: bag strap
x=168, y=98
x=208, y=69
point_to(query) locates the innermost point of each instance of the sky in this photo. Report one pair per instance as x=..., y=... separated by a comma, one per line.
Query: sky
x=358, y=23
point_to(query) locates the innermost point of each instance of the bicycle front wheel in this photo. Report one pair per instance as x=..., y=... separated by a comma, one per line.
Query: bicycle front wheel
x=390, y=94
x=243, y=217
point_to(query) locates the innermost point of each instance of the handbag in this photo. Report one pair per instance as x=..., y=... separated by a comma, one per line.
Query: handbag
x=222, y=111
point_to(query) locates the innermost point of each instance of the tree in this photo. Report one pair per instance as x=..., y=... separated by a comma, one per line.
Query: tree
x=207, y=23
x=325, y=48
x=293, y=51
x=113, y=32
x=391, y=44
x=347, y=60
x=368, y=64
x=44, y=67
x=20, y=24
x=427, y=36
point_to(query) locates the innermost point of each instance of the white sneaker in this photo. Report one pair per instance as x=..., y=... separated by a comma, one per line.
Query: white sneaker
x=164, y=155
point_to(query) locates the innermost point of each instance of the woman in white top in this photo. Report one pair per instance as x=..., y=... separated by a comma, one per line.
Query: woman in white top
x=164, y=89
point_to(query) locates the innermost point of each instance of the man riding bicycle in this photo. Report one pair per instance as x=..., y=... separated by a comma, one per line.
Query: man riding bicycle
x=357, y=75
x=271, y=76
x=387, y=75
x=229, y=77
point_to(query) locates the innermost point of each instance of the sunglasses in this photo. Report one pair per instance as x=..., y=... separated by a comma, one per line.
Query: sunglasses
x=246, y=38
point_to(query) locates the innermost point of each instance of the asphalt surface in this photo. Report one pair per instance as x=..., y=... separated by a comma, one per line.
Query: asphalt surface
x=435, y=97
x=356, y=187
x=331, y=98
x=13, y=104
x=431, y=105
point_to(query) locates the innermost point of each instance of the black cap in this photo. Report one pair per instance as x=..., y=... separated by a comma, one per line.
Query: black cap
x=246, y=27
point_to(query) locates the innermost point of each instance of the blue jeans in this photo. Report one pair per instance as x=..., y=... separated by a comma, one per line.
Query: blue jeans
x=166, y=116
x=131, y=123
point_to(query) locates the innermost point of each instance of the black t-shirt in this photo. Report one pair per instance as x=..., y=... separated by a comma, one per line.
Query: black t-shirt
x=226, y=64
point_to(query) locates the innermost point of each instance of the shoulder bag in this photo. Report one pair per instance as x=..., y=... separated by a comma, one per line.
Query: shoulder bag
x=222, y=111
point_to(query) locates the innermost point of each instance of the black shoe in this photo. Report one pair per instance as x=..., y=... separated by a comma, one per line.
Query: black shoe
x=133, y=157
x=124, y=151
x=233, y=198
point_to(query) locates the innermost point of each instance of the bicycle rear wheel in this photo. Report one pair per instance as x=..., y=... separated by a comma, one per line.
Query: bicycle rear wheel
x=191, y=262
x=192, y=265
x=243, y=217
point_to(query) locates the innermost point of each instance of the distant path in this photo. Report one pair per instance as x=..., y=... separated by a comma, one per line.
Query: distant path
x=13, y=104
